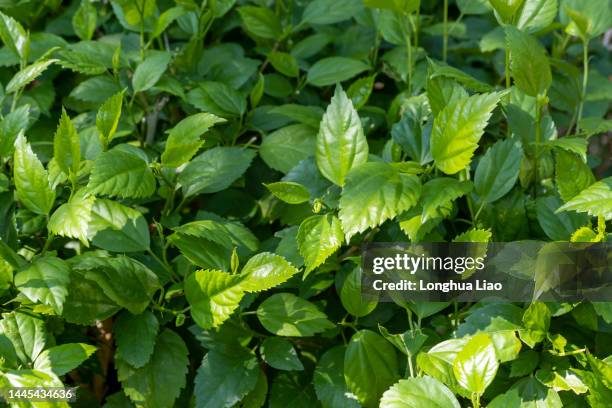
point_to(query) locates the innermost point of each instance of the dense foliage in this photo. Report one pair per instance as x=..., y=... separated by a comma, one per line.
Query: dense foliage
x=185, y=187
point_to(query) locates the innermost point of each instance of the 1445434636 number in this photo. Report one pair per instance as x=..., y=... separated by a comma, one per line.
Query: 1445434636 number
x=38, y=394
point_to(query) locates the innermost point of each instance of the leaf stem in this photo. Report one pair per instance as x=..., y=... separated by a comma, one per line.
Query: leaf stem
x=585, y=78
x=445, y=35
x=538, y=137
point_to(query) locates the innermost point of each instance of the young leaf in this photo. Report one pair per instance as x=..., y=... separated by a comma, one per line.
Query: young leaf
x=84, y=20
x=64, y=358
x=341, y=144
x=108, y=116
x=529, y=64
x=27, y=75
x=498, y=170
x=184, y=138
x=440, y=192
x=457, y=130
x=285, y=314
x=351, y=295
x=31, y=179
x=45, y=280
x=26, y=333
x=150, y=71
x=318, y=238
x=14, y=36
x=67, y=146
x=72, y=218
x=536, y=320
x=213, y=296
x=476, y=364
x=265, y=271
x=596, y=200
x=117, y=228
x=572, y=175
x=289, y=192
x=374, y=193
x=417, y=392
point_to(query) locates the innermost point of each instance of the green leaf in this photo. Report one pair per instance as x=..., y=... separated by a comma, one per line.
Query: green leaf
x=184, y=138
x=63, y=358
x=289, y=192
x=341, y=143
x=45, y=281
x=374, y=193
x=572, y=175
x=586, y=19
x=442, y=91
x=213, y=296
x=150, y=71
x=292, y=390
x=26, y=333
x=474, y=235
x=31, y=179
x=413, y=139
x=27, y=75
x=577, y=145
x=536, y=320
x=318, y=238
x=536, y=15
x=306, y=115
x=370, y=367
x=166, y=18
x=457, y=130
x=122, y=172
x=330, y=12
x=215, y=170
x=561, y=226
x=72, y=218
x=498, y=170
x=529, y=64
x=440, y=192
x=218, y=99
x=225, y=377
x=84, y=20
x=419, y=392
x=285, y=314
x=14, y=36
x=476, y=364
x=284, y=63
x=284, y=148
x=86, y=303
x=135, y=337
x=11, y=125
x=595, y=200
x=117, y=228
x=206, y=243
x=505, y=10
x=329, y=381
x=525, y=363
x=108, y=116
x=331, y=70
x=280, y=354
x=359, y=92
x=158, y=383
x=401, y=6
x=126, y=281
x=528, y=393
x=265, y=271
x=260, y=21
x=67, y=146
x=351, y=296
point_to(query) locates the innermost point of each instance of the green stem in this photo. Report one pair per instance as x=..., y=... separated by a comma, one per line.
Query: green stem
x=406, y=28
x=585, y=77
x=538, y=140
x=476, y=400
x=445, y=36
x=507, y=67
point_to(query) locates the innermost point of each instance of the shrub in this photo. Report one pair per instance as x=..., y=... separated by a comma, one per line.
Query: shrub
x=185, y=188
